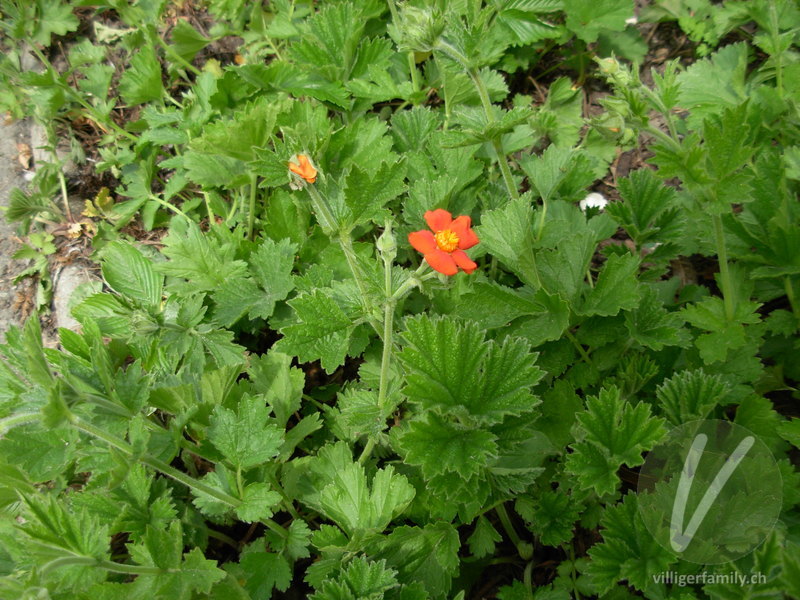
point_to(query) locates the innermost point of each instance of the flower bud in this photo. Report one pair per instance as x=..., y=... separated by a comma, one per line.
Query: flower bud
x=386, y=244
x=418, y=30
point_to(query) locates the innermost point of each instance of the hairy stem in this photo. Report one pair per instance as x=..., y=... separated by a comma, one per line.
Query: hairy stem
x=251, y=215
x=724, y=272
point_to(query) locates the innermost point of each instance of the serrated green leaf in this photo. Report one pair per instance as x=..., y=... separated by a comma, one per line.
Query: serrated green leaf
x=130, y=274
x=426, y=554
x=258, y=502
x=359, y=579
x=270, y=282
x=265, y=571
x=438, y=447
x=629, y=552
x=199, y=257
x=708, y=86
x=247, y=437
x=652, y=326
x=451, y=368
x=616, y=289
x=483, y=539
x=141, y=81
x=587, y=18
x=691, y=395
x=611, y=432
x=323, y=331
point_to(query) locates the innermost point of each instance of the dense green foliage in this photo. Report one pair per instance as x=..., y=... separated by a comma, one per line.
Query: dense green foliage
x=281, y=395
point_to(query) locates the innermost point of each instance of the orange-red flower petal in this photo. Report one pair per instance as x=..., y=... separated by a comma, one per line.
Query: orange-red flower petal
x=462, y=227
x=303, y=168
x=441, y=261
x=438, y=219
x=422, y=241
x=465, y=262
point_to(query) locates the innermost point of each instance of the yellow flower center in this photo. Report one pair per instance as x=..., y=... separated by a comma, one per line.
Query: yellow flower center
x=446, y=240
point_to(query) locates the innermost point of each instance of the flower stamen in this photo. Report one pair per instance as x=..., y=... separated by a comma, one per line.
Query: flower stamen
x=447, y=240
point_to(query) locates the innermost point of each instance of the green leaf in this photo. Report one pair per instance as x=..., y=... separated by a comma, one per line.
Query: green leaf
x=587, y=18
x=439, y=447
x=359, y=579
x=519, y=19
x=616, y=289
x=258, y=501
x=334, y=485
x=551, y=516
x=130, y=274
x=648, y=209
x=54, y=18
x=271, y=269
x=247, y=437
x=790, y=431
x=453, y=369
x=349, y=502
x=629, y=552
x=508, y=234
x=323, y=331
x=483, y=539
x=366, y=193
x=265, y=571
x=23, y=206
x=563, y=270
x=726, y=136
x=187, y=41
x=691, y=395
x=428, y=555
x=709, y=86
x=611, y=432
x=141, y=81
x=558, y=172
x=278, y=382
x=204, y=260
x=652, y=326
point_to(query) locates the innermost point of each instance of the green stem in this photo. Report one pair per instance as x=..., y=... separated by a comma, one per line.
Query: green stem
x=251, y=215
x=169, y=206
x=226, y=539
x=724, y=272
x=486, y=102
x=542, y=216
x=775, y=34
x=90, y=561
x=210, y=212
x=352, y=261
x=386, y=356
x=412, y=281
x=412, y=67
x=174, y=55
x=527, y=578
x=324, y=215
x=19, y=419
x=116, y=567
x=655, y=132
x=62, y=182
x=788, y=286
x=500, y=509
x=165, y=469
x=584, y=355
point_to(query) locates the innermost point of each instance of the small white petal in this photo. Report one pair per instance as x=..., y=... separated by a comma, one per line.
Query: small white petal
x=632, y=21
x=593, y=200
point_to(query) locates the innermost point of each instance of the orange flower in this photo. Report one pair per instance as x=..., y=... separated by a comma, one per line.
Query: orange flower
x=444, y=247
x=301, y=166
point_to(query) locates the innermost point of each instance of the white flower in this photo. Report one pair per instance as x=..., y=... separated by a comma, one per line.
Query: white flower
x=632, y=21
x=593, y=200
